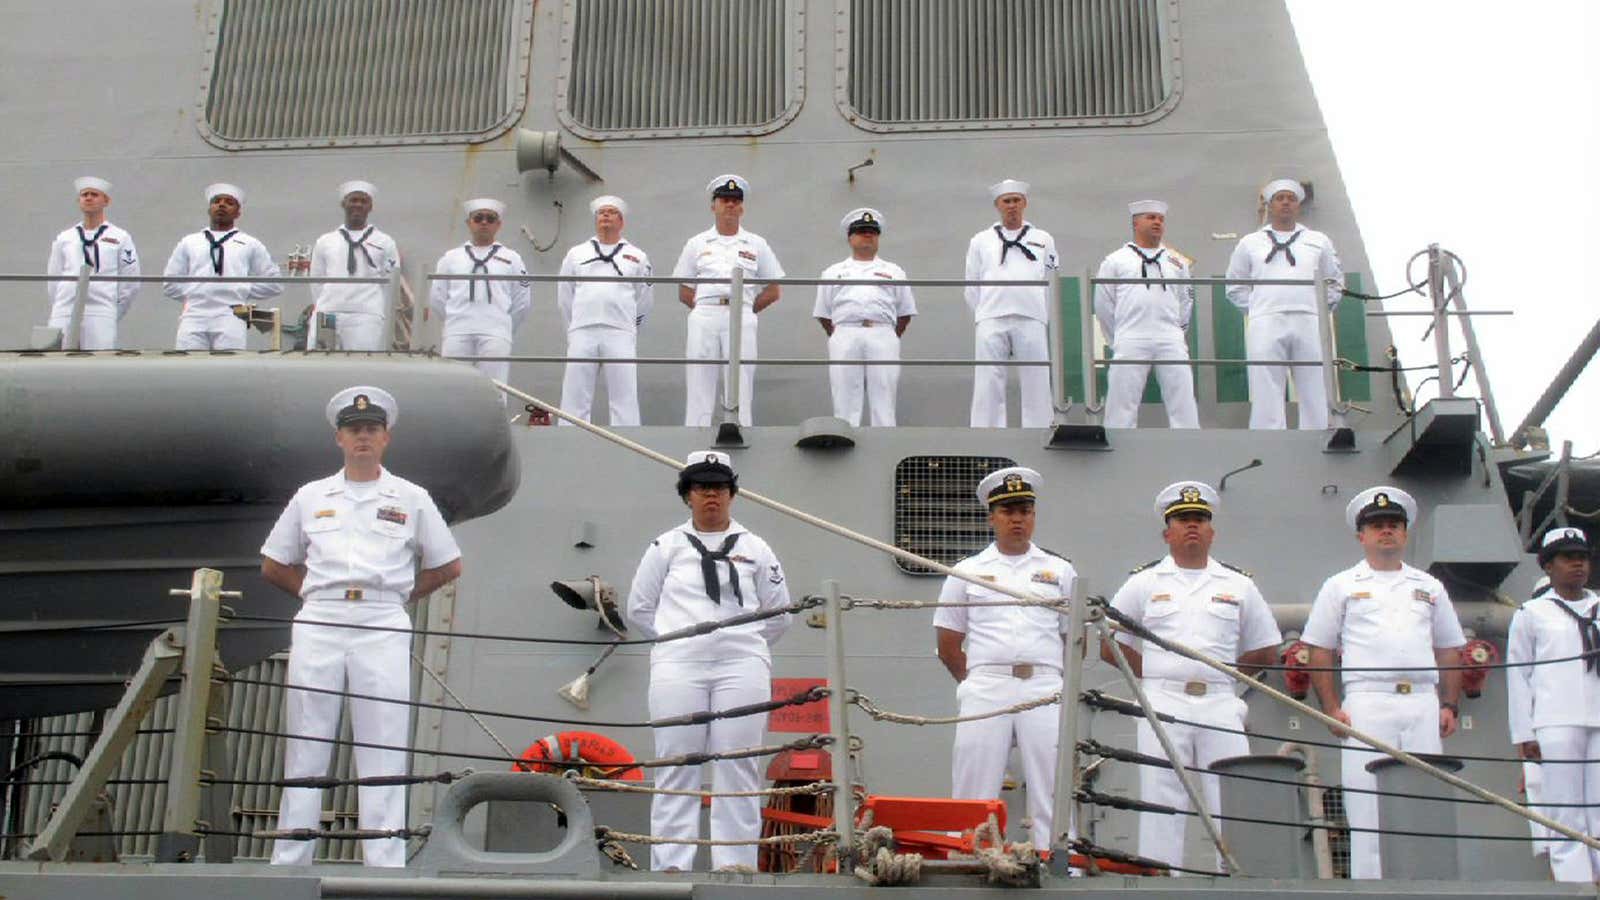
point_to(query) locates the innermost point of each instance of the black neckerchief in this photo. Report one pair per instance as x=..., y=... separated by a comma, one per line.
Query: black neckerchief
x=1282, y=246
x=91, y=244
x=354, y=244
x=1588, y=630
x=479, y=265
x=708, y=567
x=1145, y=262
x=1006, y=245
x=601, y=257
x=216, y=249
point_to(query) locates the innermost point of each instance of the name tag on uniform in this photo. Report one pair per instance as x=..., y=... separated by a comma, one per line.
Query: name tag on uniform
x=1361, y=595
x=1160, y=598
x=1424, y=596
x=392, y=514
x=1229, y=599
x=326, y=513
x=1045, y=576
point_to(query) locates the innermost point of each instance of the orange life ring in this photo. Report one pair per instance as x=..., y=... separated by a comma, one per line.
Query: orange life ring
x=605, y=757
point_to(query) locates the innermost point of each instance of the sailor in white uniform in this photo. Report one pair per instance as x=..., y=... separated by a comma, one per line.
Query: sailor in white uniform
x=481, y=317
x=1190, y=597
x=712, y=254
x=1006, y=654
x=1147, y=321
x=603, y=317
x=1555, y=706
x=705, y=570
x=864, y=321
x=1282, y=319
x=1011, y=322
x=356, y=546
x=355, y=249
x=1532, y=770
x=1384, y=612
x=208, y=321
x=105, y=249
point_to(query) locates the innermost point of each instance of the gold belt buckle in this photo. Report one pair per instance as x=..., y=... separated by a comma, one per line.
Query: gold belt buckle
x=352, y=594
x=1025, y=670
x=866, y=324
x=1195, y=688
x=1402, y=687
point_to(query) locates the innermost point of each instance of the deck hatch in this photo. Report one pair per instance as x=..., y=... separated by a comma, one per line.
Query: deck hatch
x=936, y=514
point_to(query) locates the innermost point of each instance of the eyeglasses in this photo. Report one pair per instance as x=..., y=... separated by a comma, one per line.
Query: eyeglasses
x=485, y=217
x=708, y=489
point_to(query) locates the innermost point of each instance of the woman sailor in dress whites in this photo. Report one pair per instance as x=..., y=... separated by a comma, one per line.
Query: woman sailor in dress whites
x=864, y=321
x=707, y=569
x=1555, y=707
x=481, y=317
x=208, y=321
x=1191, y=597
x=603, y=317
x=1147, y=321
x=355, y=249
x=106, y=250
x=1010, y=322
x=350, y=545
x=1011, y=654
x=1383, y=612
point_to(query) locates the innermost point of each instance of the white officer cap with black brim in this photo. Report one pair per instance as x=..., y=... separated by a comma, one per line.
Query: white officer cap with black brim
x=1563, y=540
x=1380, y=502
x=363, y=403
x=485, y=203
x=91, y=183
x=222, y=188
x=1139, y=207
x=1187, y=496
x=1014, y=484
x=1007, y=186
x=605, y=200
x=863, y=218
x=1279, y=185
x=728, y=185
x=358, y=187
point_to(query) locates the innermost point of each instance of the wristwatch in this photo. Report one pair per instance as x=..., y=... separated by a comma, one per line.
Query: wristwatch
x=1455, y=708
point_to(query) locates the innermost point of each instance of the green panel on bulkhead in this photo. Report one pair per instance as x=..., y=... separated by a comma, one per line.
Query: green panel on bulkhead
x=1350, y=336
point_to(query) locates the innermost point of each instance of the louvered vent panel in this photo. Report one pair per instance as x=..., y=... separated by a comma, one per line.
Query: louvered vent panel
x=312, y=72
x=638, y=67
x=936, y=512
x=1018, y=61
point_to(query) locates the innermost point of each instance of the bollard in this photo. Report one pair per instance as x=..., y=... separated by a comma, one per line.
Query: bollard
x=1410, y=857
x=1266, y=851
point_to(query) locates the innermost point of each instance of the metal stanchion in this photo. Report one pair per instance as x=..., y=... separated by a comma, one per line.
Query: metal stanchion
x=839, y=723
x=73, y=339
x=1064, y=808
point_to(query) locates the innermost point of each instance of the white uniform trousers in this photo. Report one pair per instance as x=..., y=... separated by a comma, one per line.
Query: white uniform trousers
x=1408, y=721
x=1285, y=336
x=852, y=384
x=708, y=339
x=359, y=331
x=1533, y=789
x=221, y=332
x=1011, y=337
x=1125, y=384
x=978, y=762
x=96, y=332
x=1161, y=834
x=622, y=384
x=362, y=662
x=482, y=345
x=677, y=688
x=1572, y=783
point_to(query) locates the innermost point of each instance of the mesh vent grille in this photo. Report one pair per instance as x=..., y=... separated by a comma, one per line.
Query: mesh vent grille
x=935, y=512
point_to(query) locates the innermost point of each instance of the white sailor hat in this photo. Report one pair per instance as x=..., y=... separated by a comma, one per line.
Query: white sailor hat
x=1283, y=184
x=1008, y=186
x=363, y=403
x=1562, y=540
x=358, y=187
x=89, y=182
x=213, y=191
x=488, y=203
x=1009, y=485
x=1139, y=207
x=729, y=185
x=605, y=200
x=1187, y=496
x=1380, y=502
x=707, y=467
x=864, y=218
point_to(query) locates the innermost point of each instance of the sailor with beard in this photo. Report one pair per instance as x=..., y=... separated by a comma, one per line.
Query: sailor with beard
x=1190, y=597
x=1383, y=612
x=210, y=318
x=1005, y=654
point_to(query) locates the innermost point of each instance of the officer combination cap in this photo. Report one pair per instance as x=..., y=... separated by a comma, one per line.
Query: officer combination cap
x=488, y=203
x=708, y=467
x=1380, y=502
x=863, y=219
x=213, y=191
x=1139, y=207
x=1010, y=485
x=358, y=187
x=1562, y=540
x=728, y=185
x=605, y=200
x=1283, y=184
x=363, y=403
x=1187, y=496
x=89, y=182
x=1007, y=186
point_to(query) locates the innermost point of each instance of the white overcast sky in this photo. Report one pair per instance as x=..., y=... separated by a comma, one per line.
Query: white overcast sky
x=1473, y=124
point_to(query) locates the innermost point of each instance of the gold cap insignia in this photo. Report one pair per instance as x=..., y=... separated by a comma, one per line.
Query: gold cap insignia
x=1381, y=500
x=1013, y=482
x=732, y=185
x=866, y=217
x=361, y=401
x=1190, y=494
